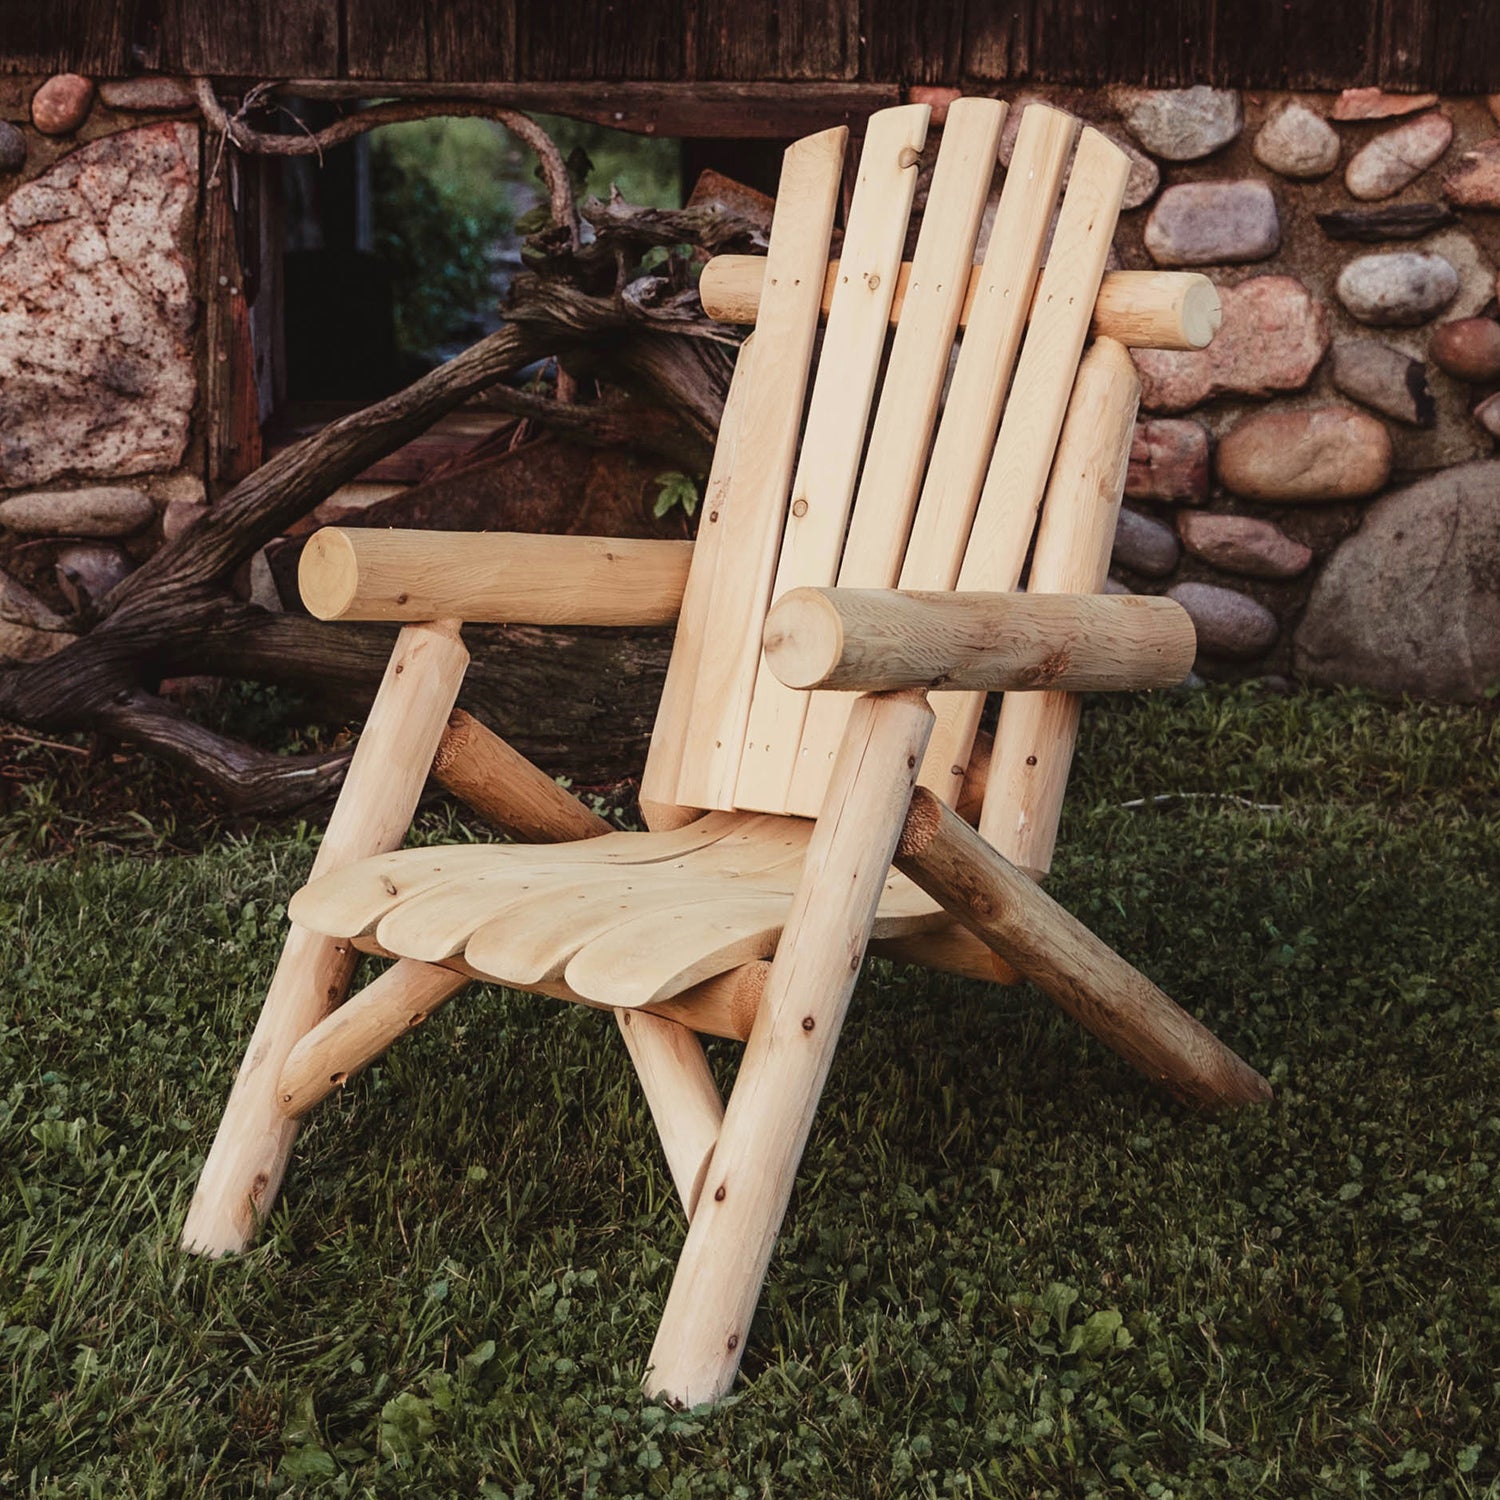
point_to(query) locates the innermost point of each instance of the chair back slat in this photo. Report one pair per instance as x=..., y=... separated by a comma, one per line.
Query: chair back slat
x=754, y=504
x=901, y=436
x=1033, y=418
x=837, y=418
x=869, y=504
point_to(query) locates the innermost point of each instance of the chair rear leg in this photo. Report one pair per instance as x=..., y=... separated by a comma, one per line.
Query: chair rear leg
x=749, y=1183
x=249, y=1155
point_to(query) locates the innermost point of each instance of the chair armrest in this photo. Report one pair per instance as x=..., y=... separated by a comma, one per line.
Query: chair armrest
x=512, y=578
x=883, y=640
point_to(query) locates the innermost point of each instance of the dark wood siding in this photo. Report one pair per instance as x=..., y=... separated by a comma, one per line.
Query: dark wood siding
x=1448, y=45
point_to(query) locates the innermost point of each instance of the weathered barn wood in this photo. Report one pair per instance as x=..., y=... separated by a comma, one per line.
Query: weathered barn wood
x=1411, y=44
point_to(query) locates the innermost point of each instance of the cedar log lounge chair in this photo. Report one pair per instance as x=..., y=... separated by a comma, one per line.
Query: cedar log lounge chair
x=796, y=756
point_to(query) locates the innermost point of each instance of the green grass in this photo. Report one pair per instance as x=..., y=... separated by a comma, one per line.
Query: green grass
x=1010, y=1267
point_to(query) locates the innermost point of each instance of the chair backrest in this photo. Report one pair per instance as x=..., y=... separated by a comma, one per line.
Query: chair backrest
x=909, y=499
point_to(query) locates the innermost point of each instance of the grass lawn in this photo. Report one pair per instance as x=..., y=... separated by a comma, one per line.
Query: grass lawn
x=1010, y=1269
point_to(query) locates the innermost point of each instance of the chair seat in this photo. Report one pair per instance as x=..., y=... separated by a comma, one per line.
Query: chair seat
x=625, y=919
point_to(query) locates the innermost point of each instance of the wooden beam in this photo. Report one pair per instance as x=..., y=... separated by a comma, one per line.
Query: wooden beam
x=511, y=578
x=1081, y=972
x=766, y=111
x=882, y=640
x=505, y=788
x=1141, y=309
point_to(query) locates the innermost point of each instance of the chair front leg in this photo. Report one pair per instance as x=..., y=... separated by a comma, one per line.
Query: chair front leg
x=249, y=1155
x=749, y=1181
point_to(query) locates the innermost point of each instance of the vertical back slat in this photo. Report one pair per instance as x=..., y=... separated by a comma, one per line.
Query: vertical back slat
x=836, y=422
x=754, y=500
x=902, y=431
x=1033, y=418
x=1037, y=731
x=669, y=732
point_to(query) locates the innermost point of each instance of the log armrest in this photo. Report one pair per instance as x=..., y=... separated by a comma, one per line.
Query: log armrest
x=883, y=640
x=512, y=578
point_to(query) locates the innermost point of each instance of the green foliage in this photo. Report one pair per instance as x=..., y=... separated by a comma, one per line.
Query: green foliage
x=441, y=202
x=675, y=489
x=1011, y=1268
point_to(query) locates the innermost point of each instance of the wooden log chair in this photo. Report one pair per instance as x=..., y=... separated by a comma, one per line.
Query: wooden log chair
x=796, y=756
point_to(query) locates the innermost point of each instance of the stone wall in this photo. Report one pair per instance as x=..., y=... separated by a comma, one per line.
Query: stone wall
x=100, y=357
x=1318, y=488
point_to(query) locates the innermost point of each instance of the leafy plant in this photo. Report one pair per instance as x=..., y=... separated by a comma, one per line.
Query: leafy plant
x=675, y=488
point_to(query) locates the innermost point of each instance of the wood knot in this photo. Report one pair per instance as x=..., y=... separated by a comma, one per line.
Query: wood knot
x=719, y=1193
x=808, y=1023
x=732, y=1342
x=1048, y=670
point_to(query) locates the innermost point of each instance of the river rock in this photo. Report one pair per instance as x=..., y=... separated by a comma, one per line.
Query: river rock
x=1398, y=221
x=1297, y=142
x=1318, y=453
x=1384, y=166
x=1409, y=603
x=87, y=571
x=1145, y=545
x=101, y=510
x=1385, y=378
x=1400, y=290
x=1229, y=623
x=1213, y=223
x=62, y=104
x=19, y=606
x=12, y=148
x=1182, y=124
x=1376, y=104
x=148, y=92
x=97, y=310
x=1487, y=414
x=1468, y=349
x=1272, y=336
x=1242, y=544
x=1475, y=182
x=1168, y=461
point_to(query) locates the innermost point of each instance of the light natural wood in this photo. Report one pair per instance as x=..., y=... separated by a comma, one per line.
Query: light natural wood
x=513, y=578
x=505, y=788
x=707, y=1319
x=349, y=902
x=987, y=356
x=680, y=1093
x=837, y=419
x=755, y=501
x=1086, y=977
x=1029, y=429
x=353, y=1036
x=879, y=640
x=951, y=950
x=722, y=1006
x=1141, y=309
x=249, y=1154
x=901, y=435
x=1037, y=731
x=658, y=795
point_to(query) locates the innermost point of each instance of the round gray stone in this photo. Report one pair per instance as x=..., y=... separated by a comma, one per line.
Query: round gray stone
x=87, y=571
x=12, y=148
x=1385, y=165
x=1402, y=289
x=1409, y=603
x=100, y=510
x=1297, y=142
x=1145, y=545
x=1214, y=223
x=1182, y=124
x=1229, y=623
x=1385, y=378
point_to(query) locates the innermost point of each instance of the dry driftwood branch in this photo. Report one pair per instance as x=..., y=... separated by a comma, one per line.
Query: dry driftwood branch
x=315, y=143
x=578, y=702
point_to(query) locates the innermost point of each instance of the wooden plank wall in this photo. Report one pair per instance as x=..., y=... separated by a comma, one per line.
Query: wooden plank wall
x=1449, y=45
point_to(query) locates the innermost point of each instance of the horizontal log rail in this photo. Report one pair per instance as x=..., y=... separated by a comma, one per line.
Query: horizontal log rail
x=1140, y=309
x=510, y=578
x=1081, y=972
x=883, y=640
